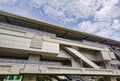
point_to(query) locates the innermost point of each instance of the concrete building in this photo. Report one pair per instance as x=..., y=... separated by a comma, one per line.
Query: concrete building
x=30, y=48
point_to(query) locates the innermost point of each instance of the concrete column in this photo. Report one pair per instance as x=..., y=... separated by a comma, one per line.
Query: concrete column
x=34, y=57
x=29, y=78
x=110, y=78
x=2, y=78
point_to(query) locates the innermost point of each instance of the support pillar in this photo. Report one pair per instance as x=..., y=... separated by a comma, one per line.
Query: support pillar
x=34, y=57
x=110, y=78
x=29, y=78
x=2, y=78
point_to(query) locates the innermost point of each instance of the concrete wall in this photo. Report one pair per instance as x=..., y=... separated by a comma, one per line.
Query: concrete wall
x=35, y=45
x=23, y=44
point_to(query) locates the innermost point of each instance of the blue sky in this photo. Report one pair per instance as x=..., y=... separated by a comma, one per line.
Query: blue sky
x=99, y=17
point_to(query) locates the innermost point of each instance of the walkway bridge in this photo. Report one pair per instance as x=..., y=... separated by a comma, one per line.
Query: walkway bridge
x=31, y=48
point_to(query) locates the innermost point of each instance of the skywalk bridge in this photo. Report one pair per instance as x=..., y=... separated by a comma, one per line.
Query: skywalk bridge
x=30, y=48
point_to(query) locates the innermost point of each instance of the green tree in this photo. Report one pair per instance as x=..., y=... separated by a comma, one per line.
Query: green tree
x=44, y=78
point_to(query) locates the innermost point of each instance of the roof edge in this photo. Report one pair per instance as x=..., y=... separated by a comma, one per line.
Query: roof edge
x=54, y=26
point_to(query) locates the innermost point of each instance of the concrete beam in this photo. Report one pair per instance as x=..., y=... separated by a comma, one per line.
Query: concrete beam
x=29, y=77
x=110, y=78
x=79, y=55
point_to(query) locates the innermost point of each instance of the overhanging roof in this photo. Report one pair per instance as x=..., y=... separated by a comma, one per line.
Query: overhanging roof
x=58, y=30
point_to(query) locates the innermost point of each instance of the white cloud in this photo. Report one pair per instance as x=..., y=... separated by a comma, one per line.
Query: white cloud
x=89, y=27
x=102, y=9
x=110, y=2
x=57, y=4
x=105, y=32
x=100, y=17
x=77, y=8
x=104, y=29
x=8, y=2
x=81, y=8
x=53, y=12
x=108, y=13
x=37, y=3
x=116, y=24
x=116, y=37
x=67, y=20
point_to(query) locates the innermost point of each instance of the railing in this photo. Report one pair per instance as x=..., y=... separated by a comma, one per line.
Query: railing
x=94, y=43
x=30, y=62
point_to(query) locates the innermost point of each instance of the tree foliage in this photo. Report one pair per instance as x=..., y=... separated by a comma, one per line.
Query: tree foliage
x=44, y=78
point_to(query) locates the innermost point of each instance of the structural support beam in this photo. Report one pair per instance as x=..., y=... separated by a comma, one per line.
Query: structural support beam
x=7, y=20
x=110, y=78
x=2, y=78
x=34, y=57
x=64, y=35
x=70, y=43
x=81, y=56
x=29, y=78
x=84, y=38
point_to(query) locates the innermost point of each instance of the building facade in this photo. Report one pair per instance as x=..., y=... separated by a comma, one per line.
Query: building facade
x=29, y=48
